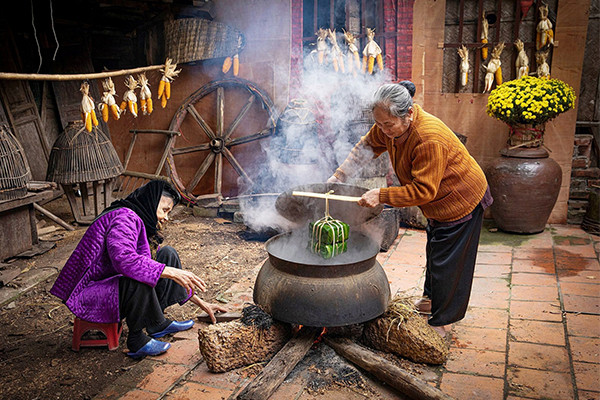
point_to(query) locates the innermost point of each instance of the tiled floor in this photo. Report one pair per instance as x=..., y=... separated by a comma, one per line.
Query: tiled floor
x=532, y=330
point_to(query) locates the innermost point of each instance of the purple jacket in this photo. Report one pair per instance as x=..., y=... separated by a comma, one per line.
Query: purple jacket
x=115, y=245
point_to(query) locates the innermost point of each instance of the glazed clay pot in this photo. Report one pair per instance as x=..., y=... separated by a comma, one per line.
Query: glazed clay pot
x=524, y=183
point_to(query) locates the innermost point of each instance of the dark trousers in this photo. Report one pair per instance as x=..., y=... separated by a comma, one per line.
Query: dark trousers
x=143, y=306
x=451, y=255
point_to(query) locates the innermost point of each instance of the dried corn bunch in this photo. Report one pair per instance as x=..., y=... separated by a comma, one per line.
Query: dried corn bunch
x=543, y=69
x=109, y=105
x=484, y=36
x=145, y=94
x=88, y=115
x=337, y=58
x=321, y=44
x=522, y=61
x=463, y=53
x=353, y=57
x=494, y=68
x=233, y=61
x=371, y=52
x=545, y=34
x=129, y=98
x=169, y=71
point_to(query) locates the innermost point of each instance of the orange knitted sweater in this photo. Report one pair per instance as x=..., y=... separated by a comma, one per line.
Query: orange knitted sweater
x=436, y=171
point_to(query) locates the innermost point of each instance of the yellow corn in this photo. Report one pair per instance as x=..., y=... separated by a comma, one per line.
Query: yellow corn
x=94, y=119
x=149, y=105
x=236, y=65
x=88, y=122
x=335, y=65
x=143, y=106
x=163, y=101
x=104, y=112
x=498, y=76
x=371, y=64
x=342, y=66
x=115, y=111
x=364, y=64
x=123, y=105
x=484, y=50
x=380, y=62
x=321, y=54
x=357, y=59
x=168, y=90
x=161, y=88
x=226, y=65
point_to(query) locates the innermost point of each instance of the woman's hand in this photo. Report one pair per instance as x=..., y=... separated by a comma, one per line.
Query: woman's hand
x=370, y=199
x=333, y=179
x=187, y=279
x=209, y=308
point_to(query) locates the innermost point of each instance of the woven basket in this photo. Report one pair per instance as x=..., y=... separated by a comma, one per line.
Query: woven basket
x=14, y=169
x=195, y=39
x=81, y=156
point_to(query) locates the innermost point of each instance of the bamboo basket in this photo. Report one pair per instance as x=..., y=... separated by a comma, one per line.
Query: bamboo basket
x=85, y=164
x=14, y=168
x=194, y=39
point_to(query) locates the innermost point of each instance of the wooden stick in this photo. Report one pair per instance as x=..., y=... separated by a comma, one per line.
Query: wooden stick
x=391, y=374
x=220, y=317
x=269, y=379
x=53, y=217
x=323, y=195
x=76, y=77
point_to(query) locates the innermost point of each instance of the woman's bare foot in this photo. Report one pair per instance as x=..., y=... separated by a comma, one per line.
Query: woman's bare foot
x=443, y=331
x=423, y=306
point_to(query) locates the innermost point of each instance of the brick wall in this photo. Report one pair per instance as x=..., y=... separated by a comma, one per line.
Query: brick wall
x=296, y=35
x=398, y=17
x=584, y=174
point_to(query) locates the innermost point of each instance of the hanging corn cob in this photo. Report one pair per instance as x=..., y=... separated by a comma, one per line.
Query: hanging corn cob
x=321, y=45
x=87, y=108
x=109, y=105
x=337, y=57
x=544, y=35
x=226, y=65
x=169, y=71
x=463, y=53
x=371, y=52
x=543, y=69
x=129, y=98
x=353, y=57
x=494, y=68
x=145, y=94
x=522, y=61
x=484, y=36
x=233, y=61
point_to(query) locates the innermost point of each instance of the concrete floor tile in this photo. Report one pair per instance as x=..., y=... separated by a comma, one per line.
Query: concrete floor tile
x=493, y=248
x=580, y=289
x=480, y=362
x=523, y=330
x=534, y=266
x=418, y=260
x=585, y=349
x=585, y=395
x=583, y=325
x=577, y=263
x=545, y=254
x=193, y=390
x=162, y=377
x=536, y=310
x=468, y=387
x=582, y=304
x=538, y=293
x=495, y=258
x=492, y=271
x=137, y=394
x=587, y=376
x=538, y=356
x=537, y=384
x=184, y=352
x=533, y=279
x=226, y=380
x=586, y=251
x=485, y=318
x=479, y=338
x=489, y=293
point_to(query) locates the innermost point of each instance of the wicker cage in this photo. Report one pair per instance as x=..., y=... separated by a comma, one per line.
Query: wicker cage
x=14, y=168
x=194, y=39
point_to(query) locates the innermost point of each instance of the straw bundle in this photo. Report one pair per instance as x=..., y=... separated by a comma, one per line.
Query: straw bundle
x=14, y=169
x=195, y=39
x=80, y=156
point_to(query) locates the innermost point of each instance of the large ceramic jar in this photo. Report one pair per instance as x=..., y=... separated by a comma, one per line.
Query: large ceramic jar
x=524, y=183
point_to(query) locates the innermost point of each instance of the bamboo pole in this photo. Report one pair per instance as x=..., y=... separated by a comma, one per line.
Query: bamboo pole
x=76, y=77
x=326, y=196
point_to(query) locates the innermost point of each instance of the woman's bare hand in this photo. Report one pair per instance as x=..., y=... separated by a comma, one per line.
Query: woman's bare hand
x=209, y=308
x=370, y=199
x=333, y=179
x=187, y=279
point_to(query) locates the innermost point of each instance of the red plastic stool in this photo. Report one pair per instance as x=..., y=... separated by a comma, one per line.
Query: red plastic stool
x=112, y=332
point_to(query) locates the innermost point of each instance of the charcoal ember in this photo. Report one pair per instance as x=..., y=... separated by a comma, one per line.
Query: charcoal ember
x=402, y=331
x=253, y=315
x=354, y=331
x=229, y=345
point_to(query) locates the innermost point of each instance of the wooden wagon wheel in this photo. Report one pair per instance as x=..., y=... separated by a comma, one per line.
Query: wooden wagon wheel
x=220, y=138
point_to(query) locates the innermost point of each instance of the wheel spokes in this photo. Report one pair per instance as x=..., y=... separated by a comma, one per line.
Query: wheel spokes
x=201, y=171
x=219, y=173
x=191, y=149
x=239, y=117
x=194, y=113
x=220, y=111
x=250, y=138
x=236, y=165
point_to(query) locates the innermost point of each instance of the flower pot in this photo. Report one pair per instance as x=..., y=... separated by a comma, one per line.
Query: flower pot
x=524, y=183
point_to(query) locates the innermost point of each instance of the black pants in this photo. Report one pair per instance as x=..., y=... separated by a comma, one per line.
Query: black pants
x=143, y=306
x=451, y=255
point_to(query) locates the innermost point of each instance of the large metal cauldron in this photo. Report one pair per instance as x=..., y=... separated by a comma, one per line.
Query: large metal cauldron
x=299, y=287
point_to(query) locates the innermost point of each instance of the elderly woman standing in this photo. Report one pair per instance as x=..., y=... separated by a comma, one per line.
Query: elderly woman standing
x=119, y=271
x=436, y=173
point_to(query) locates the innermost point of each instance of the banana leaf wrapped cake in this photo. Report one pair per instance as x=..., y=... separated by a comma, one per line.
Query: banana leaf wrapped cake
x=328, y=237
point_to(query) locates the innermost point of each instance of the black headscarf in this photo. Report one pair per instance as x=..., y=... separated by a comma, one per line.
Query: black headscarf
x=144, y=202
